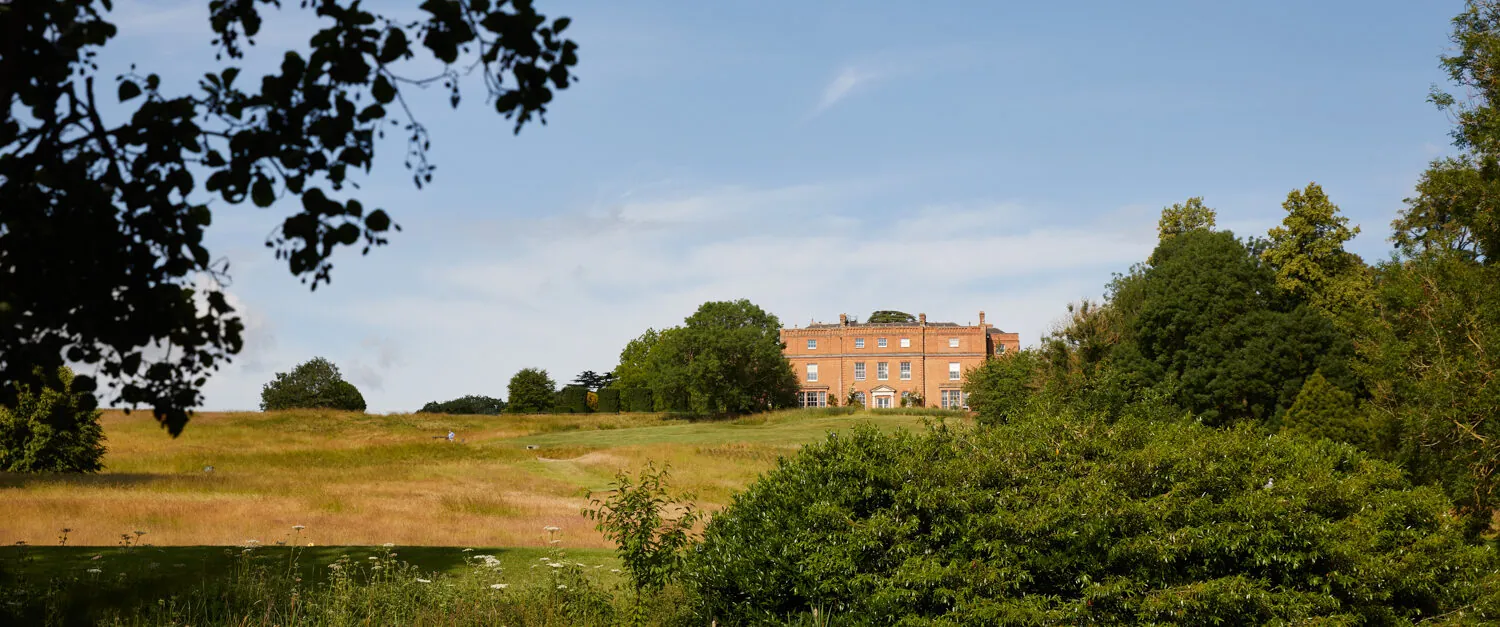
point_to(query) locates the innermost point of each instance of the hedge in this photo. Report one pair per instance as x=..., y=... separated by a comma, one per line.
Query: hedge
x=636, y=399
x=572, y=399
x=609, y=401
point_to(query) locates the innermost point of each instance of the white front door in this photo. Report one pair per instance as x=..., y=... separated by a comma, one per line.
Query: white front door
x=883, y=402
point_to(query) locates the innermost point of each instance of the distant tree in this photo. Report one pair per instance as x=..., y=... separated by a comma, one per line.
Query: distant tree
x=634, y=370
x=51, y=429
x=1308, y=256
x=106, y=190
x=314, y=384
x=571, y=399
x=469, y=405
x=531, y=391
x=1180, y=218
x=593, y=380
x=886, y=315
x=726, y=359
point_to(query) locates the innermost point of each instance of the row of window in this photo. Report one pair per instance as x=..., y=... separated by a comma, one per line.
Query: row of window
x=883, y=371
x=948, y=399
x=859, y=342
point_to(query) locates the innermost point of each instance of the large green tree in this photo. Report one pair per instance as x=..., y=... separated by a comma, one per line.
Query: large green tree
x=726, y=358
x=1182, y=217
x=102, y=216
x=51, y=429
x=1212, y=325
x=634, y=369
x=531, y=391
x=313, y=384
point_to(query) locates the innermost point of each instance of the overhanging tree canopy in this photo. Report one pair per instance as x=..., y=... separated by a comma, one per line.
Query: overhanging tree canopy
x=101, y=224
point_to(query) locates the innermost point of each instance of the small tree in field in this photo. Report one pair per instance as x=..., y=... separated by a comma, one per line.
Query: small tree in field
x=650, y=546
x=531, y=391
x=314, y=384
x=51, y=429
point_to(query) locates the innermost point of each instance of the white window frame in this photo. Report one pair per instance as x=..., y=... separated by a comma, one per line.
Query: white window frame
x=952, y=342
x=859, y=397
x=812, y=345
x=951, y=399
x=859, y=371
x=905, y=342
x=882, y=370
x=859, y=342
x=905, y=371
x=955, y=371
x=879, y=342
x=812, y=372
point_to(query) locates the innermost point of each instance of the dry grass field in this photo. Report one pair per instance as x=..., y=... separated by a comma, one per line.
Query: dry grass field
x=359, y=479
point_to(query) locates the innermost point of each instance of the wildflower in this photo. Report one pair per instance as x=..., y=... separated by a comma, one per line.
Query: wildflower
x=421, y=580
x=614, y=570
x=66, y=530
x=581, y=564
x=554, y=564
x=333, y=566
x=309, y=544
x=388, y=545
x=546, y=559
x=561, y=587
x=467, y=551
x=550, y=528
x=372, y=557
x=499, y=586
x=95, y=571
x=298, y=527
x=139, y=533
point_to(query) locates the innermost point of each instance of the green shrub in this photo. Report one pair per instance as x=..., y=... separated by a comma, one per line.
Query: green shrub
x=1322, y=410
x=637, y=399
x=314, y=384
x=466, y=405
x=53, y=429
x=650, y=546
x=572, y=399
x=609, y=401
x=1058, y=520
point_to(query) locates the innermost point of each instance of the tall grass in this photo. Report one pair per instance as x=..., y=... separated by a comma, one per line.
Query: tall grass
x=270, y=586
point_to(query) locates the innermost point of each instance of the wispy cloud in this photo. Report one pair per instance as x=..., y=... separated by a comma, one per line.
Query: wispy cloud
x=846, y=83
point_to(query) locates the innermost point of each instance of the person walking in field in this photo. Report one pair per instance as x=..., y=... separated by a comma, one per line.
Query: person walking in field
x=450, y=437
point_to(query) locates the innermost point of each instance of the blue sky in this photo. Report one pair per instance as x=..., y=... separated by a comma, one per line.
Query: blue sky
x=817, y=159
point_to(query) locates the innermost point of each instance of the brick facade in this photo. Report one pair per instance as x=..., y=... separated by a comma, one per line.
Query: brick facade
x=847, y=359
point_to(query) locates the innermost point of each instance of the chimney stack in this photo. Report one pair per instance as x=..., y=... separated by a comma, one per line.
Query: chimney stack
x=981, y=319
x=844, y=319
x=922, y=319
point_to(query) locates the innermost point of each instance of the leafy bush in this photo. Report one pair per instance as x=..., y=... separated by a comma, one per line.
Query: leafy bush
x=466, y=405
x=1322, y=410
x=572, y=399
x=1000, y=388
x=314, y=384
x=637, y=399
x=609, y=401
x=530, y=392
x=51, y=429
x=1060, y=520
x=650, y=546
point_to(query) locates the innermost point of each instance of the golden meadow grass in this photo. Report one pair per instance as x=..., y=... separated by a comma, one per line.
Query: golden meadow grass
x=361, y=479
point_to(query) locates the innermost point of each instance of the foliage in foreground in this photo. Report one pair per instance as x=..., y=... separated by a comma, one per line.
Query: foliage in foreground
x=313, y=384
x=268, y=586
x=103, y=206
x=1066, y=520
x=51, y=429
